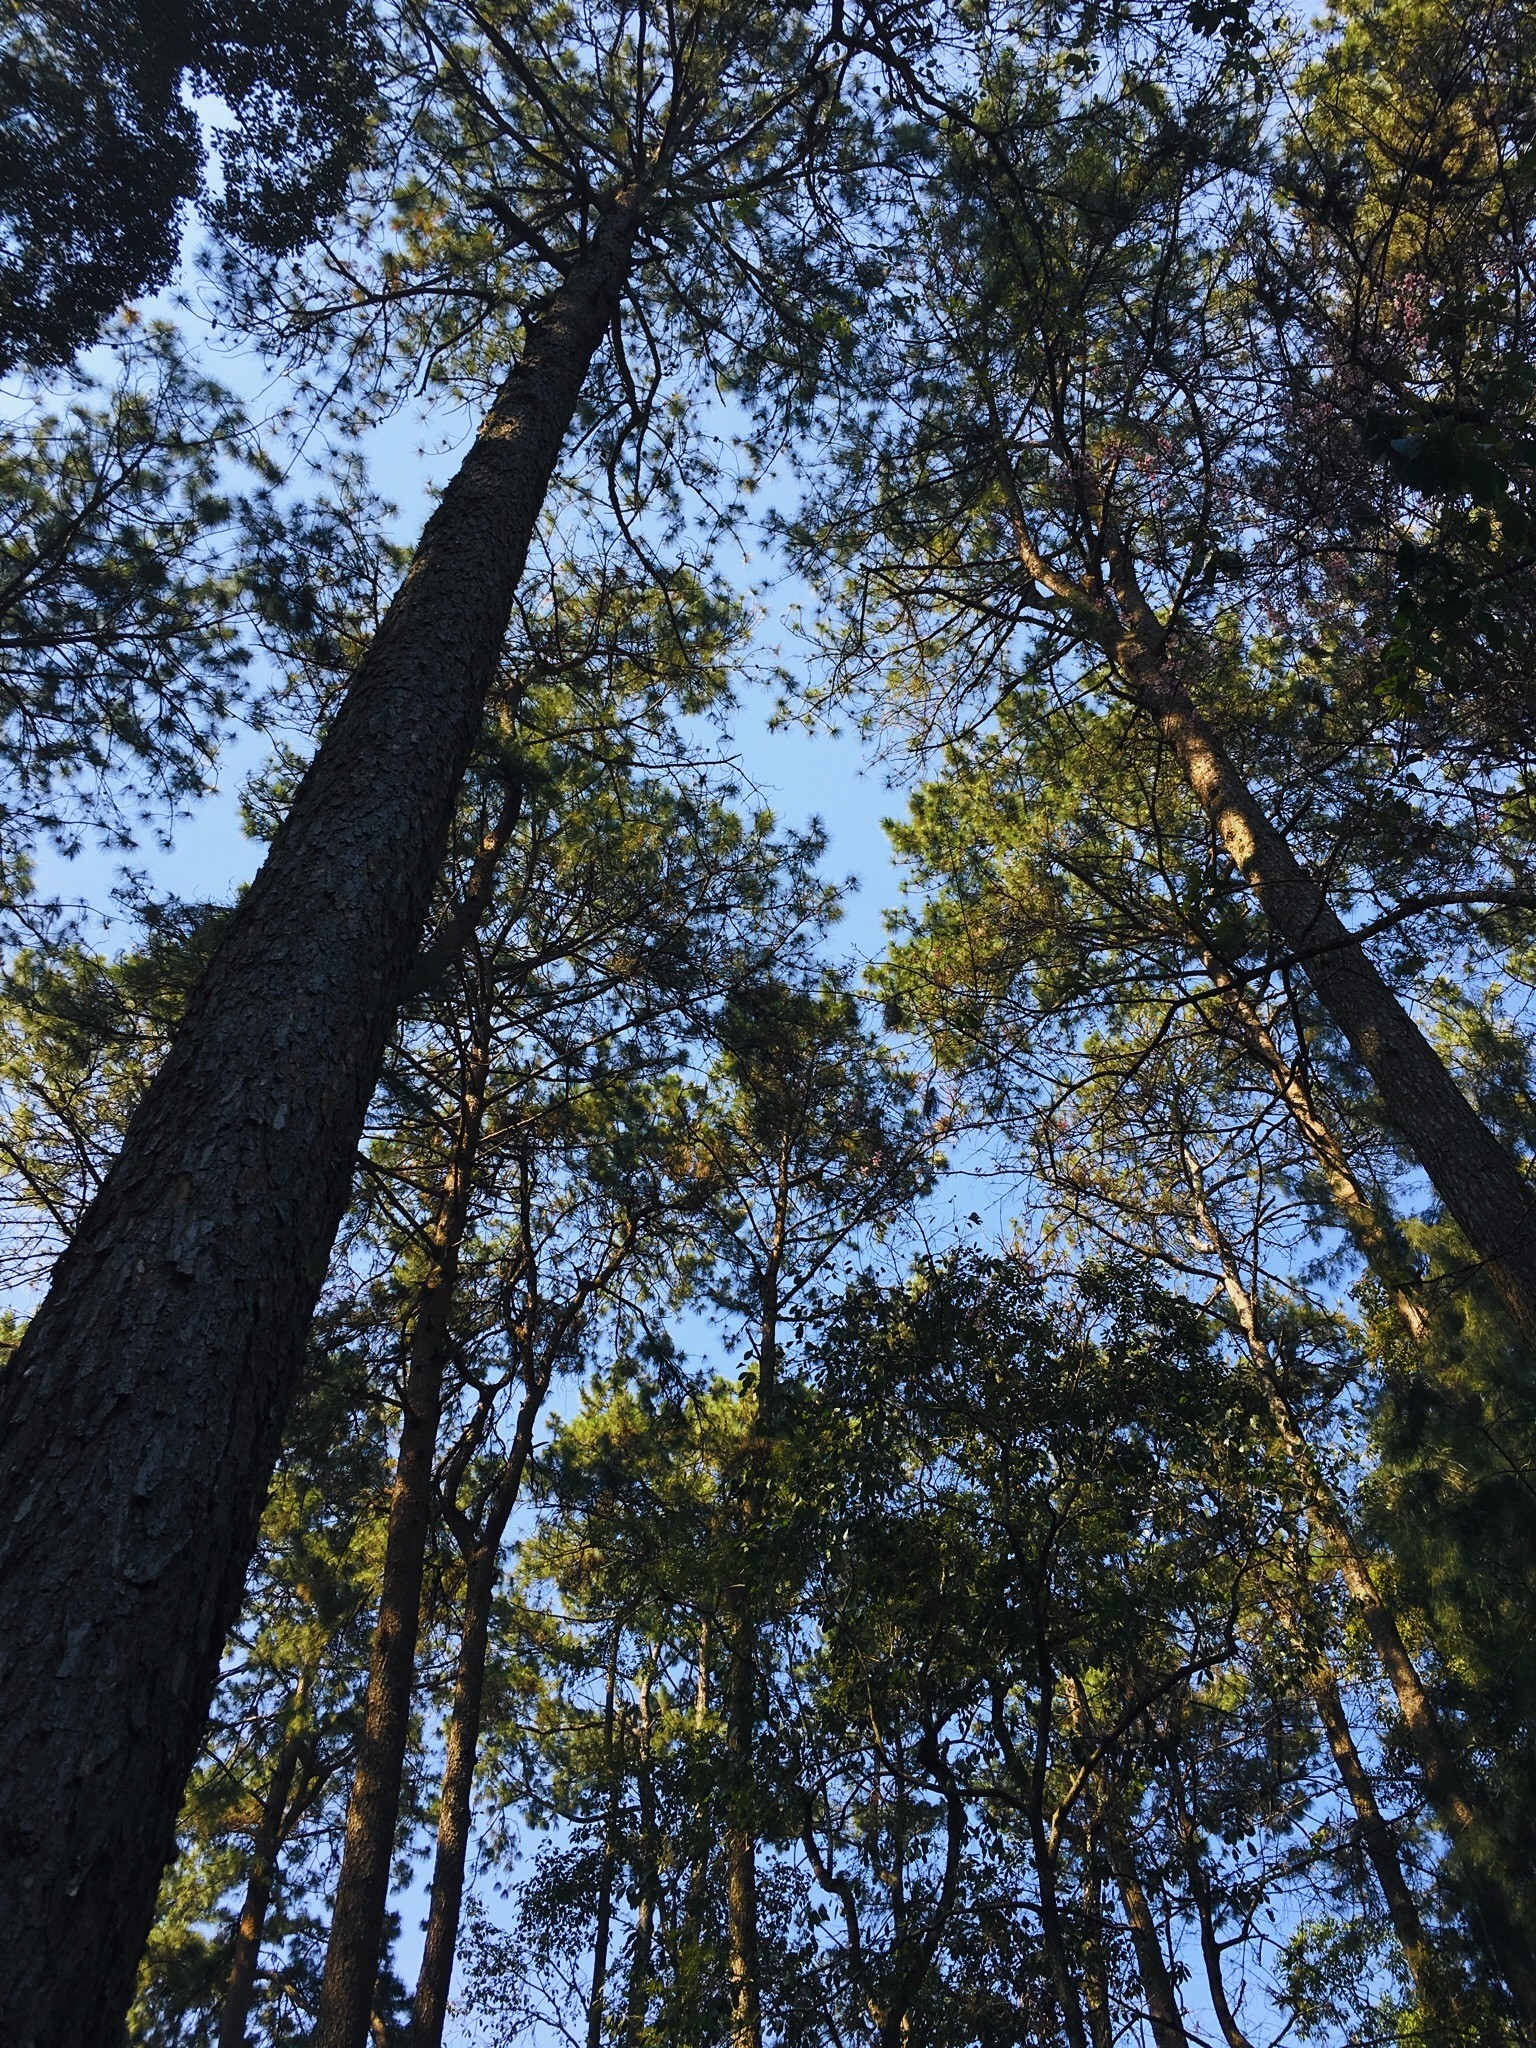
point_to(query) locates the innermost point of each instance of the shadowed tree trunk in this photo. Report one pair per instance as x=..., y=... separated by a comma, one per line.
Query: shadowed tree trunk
x=373, y=1806
x=1380, y=1848
x=1205, y=1911
x=607, y=1869
x=740, y=1843
x=1030, y=1784
x=240, y=1987
x=455, y=1804
x=141, y=1416
x=1479, y=1860
x=641, y=1962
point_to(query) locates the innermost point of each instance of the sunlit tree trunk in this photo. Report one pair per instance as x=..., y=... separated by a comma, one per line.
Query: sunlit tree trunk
x=1377, y=1241
x=373, y=1805
x=1168, y=2029
x=1480, y=1185
x=1380, y=1848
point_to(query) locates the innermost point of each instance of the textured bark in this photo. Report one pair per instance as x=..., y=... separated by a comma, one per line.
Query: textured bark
x=373, y=1804
x=240, y=1987
x=455, y=1803
x=141, y=1416
x=1474, y=1176
x=1168, y=2029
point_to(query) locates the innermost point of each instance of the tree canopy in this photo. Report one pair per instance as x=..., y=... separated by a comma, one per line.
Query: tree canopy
x=583, y=1460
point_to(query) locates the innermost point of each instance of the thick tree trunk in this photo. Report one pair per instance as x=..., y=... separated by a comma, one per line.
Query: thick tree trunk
x=373, y=1805
x=1168, y=2029
x=1474, y=1176
x=455, y=1805
x=240, y=1986
x=142, y=1413
x=1474, y=1839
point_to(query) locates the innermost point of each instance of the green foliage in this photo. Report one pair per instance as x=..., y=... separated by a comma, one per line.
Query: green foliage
x=104, y=151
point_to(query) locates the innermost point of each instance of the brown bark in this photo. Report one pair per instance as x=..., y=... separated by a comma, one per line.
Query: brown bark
x=455, y=1804
x=1378, y=1243
x=1474, y=1839
x=641, y=1964
x=240, y=1986
x=1376, y=1840
x=608, y=1865
x=740, y=1841
x=373, y=1805
x=1151, y=1965
x=141, y=1415
x=1480, y=1185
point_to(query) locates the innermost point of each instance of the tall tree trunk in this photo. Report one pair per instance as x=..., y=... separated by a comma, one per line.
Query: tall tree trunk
x=1053, y=1938
x=1474, y=1176
x=1380, y=1849
x=1168, y=2029
x=240, y=1986
x=141, y=1415
x=642, y=1957
x=698, y=1869
x=1101, y=2026
x=1377, y=1240
x=740, y=1835
x=1474, y=1839
x=1205, y=1913
x=608, y=1864
x=1031, y=1787
x=373, y=1805
x=741, y=1680
x=455, y=1804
